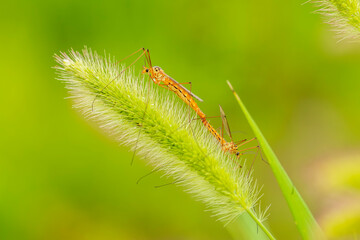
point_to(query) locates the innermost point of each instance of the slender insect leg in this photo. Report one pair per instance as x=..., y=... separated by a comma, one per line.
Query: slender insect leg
x=190, y=93
x=199, y=147
x=194, y=119
x=257, y=152
x=261, y=152
x=222, y=144
x=190, y=121
x=164, y=86
x=241, y=141
x=245, y=141
x=198, y=118
x=237, y=163
x=147, y=56
x=174, y=182
x=148, y=174
x=246, y=149
x=158, y=169
x=167, y=184
x=258, y=145
x=253, y=161
x=143, y=117
x=92, y=104
x=194, y=133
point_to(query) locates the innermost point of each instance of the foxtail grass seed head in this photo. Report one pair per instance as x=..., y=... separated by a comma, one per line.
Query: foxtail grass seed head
x=186, y=152
x=344, y=15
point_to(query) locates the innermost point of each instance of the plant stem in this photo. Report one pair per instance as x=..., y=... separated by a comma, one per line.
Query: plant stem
x=246, y=228
x=260, y=224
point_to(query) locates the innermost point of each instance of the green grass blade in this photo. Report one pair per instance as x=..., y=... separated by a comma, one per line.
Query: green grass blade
x=303, y=218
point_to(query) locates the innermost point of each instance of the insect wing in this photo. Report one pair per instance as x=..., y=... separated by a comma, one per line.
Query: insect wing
x=193, y=95
x=225, y=122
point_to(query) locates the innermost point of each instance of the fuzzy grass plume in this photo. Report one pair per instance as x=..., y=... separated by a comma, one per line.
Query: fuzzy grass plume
x=344, y=15
x=186, y=152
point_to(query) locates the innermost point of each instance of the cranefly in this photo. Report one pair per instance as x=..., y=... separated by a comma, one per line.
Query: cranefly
x=188, y=154
x=159, y=77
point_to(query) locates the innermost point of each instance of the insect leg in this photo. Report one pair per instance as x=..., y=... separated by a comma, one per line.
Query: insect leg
x=92, y=104
x=143, y=117
x=148, y=60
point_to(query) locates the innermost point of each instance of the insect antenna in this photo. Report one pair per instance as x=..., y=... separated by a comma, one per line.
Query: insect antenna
x=148, y=58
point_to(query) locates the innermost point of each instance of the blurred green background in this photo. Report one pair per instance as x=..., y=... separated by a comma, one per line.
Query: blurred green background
x=62, y=178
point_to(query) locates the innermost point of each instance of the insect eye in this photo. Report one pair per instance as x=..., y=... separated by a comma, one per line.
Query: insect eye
x=147, y=70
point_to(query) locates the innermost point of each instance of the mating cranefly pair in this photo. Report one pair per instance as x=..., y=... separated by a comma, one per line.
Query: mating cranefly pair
x=159, y=77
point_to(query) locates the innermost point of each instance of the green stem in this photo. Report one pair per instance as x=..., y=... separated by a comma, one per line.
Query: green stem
x=246, y=227
x=260, y=224
x=303, y=218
